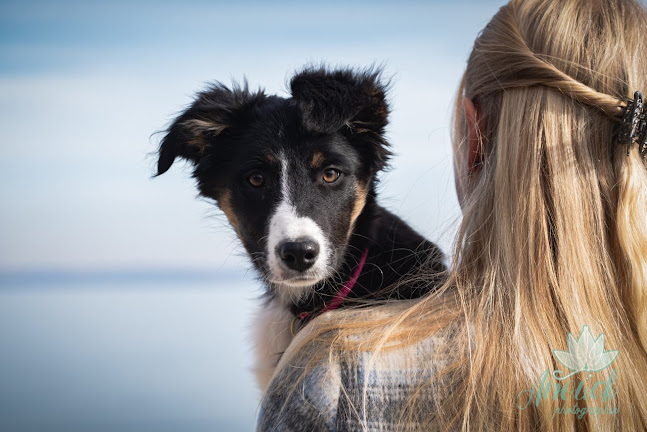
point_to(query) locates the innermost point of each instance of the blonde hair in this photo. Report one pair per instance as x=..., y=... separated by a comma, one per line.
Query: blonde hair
x=553, y=235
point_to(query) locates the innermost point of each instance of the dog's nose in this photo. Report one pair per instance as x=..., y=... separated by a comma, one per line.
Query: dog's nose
x=299, y=255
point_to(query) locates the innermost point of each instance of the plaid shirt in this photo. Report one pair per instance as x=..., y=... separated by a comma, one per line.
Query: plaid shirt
x=368, y=396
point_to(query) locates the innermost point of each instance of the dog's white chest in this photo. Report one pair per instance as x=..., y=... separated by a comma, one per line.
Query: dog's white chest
x=271, y=337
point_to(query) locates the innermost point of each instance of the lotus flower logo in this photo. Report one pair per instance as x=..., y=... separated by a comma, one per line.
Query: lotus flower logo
x=584, y=354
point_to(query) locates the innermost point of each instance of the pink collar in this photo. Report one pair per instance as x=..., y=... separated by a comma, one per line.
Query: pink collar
x=341, y=294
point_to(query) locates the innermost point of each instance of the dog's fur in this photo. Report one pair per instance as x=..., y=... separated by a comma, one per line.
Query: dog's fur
x=296, y=178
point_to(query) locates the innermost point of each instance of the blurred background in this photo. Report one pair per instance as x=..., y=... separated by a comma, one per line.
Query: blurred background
x=125, y=300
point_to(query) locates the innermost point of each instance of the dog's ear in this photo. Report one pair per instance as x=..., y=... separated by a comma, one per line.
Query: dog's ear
x=353, y=102
x=212, y=114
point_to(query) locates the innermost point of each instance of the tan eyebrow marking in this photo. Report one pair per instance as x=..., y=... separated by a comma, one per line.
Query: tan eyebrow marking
x=317, y=160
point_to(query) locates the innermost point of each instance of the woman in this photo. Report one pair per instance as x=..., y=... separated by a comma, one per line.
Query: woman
x=542, y=323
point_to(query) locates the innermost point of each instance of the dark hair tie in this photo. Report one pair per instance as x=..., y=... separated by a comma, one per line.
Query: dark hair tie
x=634, y=125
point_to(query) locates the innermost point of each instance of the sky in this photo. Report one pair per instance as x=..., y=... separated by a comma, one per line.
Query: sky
x=85, y=86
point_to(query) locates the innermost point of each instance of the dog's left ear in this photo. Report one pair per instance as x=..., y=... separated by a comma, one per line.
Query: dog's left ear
x=213, y=114
x=348, y=101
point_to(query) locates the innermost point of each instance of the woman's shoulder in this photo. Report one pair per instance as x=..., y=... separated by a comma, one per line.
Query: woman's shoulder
x=304, y=391
x=319, y=388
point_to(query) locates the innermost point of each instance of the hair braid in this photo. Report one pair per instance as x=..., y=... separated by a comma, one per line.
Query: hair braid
x=514, y=64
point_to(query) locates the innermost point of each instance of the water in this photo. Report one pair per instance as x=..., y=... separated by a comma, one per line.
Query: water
x=123, y=356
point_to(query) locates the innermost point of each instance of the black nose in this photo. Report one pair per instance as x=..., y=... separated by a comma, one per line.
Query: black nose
x=299, y=255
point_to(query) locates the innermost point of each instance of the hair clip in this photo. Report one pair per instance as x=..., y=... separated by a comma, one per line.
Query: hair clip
x=634, y=125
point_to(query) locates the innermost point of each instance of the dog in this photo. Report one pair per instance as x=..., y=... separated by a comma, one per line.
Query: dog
x=296, y=178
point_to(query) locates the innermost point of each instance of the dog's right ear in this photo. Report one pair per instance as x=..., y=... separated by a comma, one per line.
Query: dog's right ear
x=346, y=100
x=212, y=114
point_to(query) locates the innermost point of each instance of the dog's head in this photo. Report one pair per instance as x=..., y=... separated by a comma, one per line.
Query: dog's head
x=291, y=175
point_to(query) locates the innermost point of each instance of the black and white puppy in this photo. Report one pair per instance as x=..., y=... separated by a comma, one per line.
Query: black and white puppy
x=296, y=179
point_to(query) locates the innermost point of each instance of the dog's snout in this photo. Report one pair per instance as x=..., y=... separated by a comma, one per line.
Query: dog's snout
x=299, y=255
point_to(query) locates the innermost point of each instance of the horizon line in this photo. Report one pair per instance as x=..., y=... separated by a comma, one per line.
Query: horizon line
x=52, y=276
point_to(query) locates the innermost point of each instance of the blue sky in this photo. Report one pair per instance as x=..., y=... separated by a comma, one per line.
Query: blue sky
x=85, y=85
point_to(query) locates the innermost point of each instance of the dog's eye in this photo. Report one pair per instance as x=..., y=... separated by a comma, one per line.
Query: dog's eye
x=331, y=175
x=256, y=180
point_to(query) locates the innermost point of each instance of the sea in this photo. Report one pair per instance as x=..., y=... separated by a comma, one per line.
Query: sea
x=134, y=351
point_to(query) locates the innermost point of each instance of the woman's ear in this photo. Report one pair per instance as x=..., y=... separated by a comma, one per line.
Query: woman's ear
x=474, y=136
